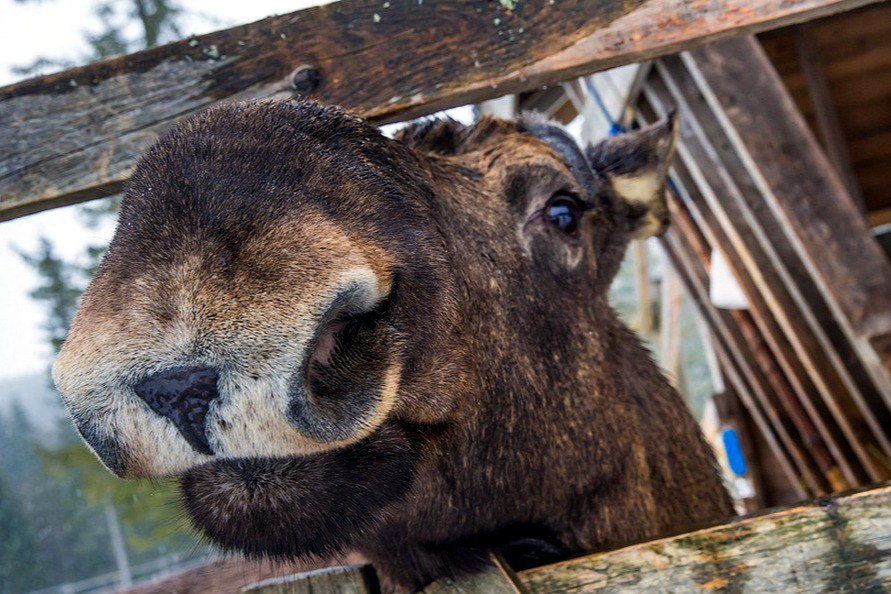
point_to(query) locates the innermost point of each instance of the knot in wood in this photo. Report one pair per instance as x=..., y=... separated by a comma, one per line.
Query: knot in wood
x=305, y=79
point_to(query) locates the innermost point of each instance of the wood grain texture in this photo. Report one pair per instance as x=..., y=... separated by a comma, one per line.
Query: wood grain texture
x=820, y=221
x=497, y=579
x=698, y=209
x=691, y=258
x=838, y=544
x=75, y=135
x=755, y=208
x=854, y=51
x=349, y=579
x=732, y=211
x=825, y=110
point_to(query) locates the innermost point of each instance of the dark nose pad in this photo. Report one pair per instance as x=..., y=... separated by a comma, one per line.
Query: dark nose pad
x=183, y=396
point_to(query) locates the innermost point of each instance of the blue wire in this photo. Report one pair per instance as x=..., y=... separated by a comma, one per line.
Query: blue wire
x=614, y=126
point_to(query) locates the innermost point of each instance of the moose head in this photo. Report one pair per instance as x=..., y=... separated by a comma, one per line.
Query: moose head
x=398, y=346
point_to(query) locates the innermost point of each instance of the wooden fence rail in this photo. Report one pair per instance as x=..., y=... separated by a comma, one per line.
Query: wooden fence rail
x=75, y=135
x=833, y=545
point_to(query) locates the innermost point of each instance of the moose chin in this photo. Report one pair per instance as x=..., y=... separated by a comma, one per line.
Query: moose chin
x=401, y=347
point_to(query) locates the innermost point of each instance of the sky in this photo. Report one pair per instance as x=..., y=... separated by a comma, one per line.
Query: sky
x=55, y=28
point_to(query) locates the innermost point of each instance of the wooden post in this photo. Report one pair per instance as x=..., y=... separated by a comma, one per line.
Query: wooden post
x=643, y=319
x=670, y=325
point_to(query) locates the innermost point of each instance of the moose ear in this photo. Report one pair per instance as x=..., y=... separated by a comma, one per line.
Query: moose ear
x=636, y=165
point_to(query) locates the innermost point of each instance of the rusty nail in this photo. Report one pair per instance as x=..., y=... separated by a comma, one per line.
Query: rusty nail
x=305, y=79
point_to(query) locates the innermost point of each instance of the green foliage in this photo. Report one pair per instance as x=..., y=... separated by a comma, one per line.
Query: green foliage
x=68, y=539
x=53, y=493
x=60, y=289
x=149, y=512
x=17, y=461
x=19, y=546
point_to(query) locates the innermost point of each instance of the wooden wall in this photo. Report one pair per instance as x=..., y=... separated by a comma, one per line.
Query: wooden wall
x=854, y=50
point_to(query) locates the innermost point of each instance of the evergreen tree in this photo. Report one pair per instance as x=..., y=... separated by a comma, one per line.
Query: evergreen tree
x=158, y=22
x=17, y=444
x=59, y=290
x=65, y=493
x=17, y=570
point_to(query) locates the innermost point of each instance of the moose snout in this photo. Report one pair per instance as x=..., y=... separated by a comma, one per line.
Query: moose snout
x=183, y=395
x=202, y=371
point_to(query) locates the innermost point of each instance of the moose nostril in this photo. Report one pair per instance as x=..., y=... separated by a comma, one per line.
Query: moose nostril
x=183, y=396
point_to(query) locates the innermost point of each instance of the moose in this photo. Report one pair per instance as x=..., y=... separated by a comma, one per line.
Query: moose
x=397, y=346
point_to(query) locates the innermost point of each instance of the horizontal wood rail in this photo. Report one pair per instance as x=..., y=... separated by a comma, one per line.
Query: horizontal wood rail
x=75, y=135
x=835, y=544
x=838, y=544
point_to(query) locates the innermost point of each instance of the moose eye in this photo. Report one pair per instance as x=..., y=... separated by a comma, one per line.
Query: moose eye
x=562, y=211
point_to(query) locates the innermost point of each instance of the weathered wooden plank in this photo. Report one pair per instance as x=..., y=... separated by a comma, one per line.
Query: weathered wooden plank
x=688, y=252
x=835, y=544
x=819, y=220
x=862, y=524
x=670, y=326
x=75, y=135
x=838, y=544
x=719, y=206
x=497, y=579
x=349, y=579
x=787, y=306
x=825, y=111
x=693, y=213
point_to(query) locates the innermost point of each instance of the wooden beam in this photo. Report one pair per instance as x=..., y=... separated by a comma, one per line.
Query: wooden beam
x=816, y=216
x=833, y=544
x=550, y=101
x=707, y=196
x=75, y=135
x=824, y=109
x=643, y=318
x=670, y=326
x=697, y=212
x=688, y=252
x=838, y=544
x=785, y=304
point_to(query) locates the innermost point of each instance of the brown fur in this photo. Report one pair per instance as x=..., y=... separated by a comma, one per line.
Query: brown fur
x=484, y=394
